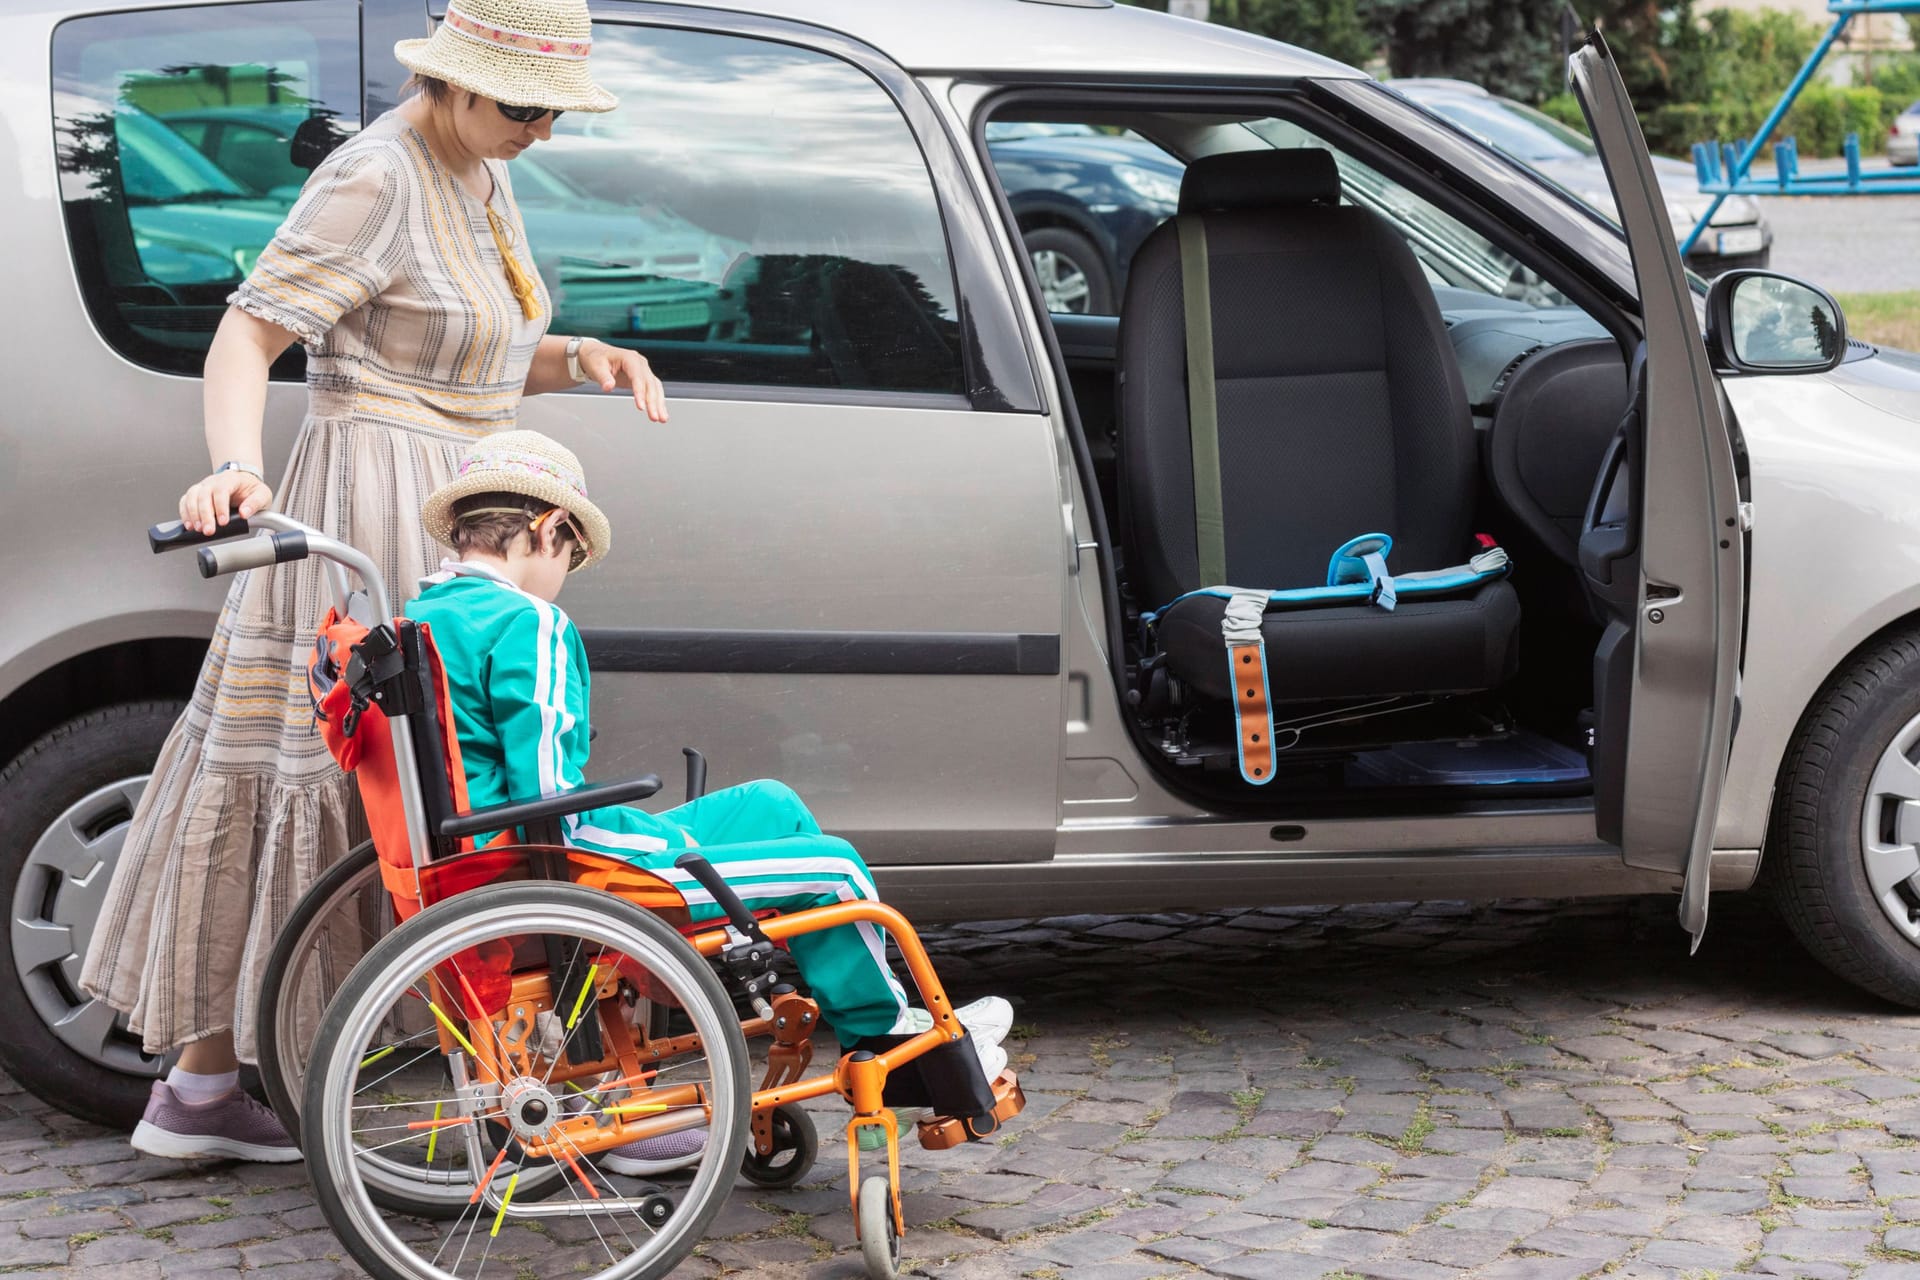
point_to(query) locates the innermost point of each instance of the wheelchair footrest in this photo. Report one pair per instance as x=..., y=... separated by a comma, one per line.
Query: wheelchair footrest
x=937, y=1133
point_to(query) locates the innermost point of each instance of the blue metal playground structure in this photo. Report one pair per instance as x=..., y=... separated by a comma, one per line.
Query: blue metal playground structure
x=1725, y=168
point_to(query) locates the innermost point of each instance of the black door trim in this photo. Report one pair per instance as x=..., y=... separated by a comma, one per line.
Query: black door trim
x=839, y=653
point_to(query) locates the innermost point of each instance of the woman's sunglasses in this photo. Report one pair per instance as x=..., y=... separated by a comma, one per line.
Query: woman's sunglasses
x=526, y=115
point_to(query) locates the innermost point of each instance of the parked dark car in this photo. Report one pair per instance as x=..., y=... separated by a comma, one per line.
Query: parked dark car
x=1084, y=200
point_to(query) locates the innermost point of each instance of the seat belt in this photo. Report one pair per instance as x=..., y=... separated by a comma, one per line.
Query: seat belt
x=1203, y=417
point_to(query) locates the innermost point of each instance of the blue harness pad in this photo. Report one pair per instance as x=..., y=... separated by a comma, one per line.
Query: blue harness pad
x=1357, y=574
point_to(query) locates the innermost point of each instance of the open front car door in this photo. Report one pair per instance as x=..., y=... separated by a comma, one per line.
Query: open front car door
x=1661, y=548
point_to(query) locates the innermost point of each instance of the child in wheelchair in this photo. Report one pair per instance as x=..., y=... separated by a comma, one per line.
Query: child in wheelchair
x=519, y=521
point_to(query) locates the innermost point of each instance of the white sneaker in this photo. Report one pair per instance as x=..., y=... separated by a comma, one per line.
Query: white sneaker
x=989, y=1019
x=993, y=1059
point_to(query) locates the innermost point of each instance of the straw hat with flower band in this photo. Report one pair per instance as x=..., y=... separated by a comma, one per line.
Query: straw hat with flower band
x=525, y=53
x=530, y=464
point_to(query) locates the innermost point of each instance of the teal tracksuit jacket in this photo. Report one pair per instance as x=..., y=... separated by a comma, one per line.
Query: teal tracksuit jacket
x=517, y=678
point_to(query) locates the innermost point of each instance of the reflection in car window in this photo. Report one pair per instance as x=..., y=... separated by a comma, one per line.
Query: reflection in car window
x=1512, y=127
x=752, y=213
x=161, y=231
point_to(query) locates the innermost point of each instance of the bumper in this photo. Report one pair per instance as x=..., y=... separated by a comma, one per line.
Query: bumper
x=1725, y=248
x=1904, y=150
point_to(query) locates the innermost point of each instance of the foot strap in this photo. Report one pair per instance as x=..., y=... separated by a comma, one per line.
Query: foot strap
x=1247, y=668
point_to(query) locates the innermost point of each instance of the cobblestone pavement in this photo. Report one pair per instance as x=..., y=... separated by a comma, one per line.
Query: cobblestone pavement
x=1400, y=1093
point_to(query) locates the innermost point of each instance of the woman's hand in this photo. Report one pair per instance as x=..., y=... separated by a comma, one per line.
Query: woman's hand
x=612, y=366
x=212, y=502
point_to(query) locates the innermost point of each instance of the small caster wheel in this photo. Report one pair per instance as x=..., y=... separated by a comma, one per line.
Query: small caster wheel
x=656, y=1209
x=879, y=1241
x=795, y=1144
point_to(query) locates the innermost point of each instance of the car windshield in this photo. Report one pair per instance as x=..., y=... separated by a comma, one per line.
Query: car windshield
x=158, y=166
x=1518, y=130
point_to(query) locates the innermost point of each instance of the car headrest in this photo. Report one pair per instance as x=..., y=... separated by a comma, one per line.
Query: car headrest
x=1259, y=179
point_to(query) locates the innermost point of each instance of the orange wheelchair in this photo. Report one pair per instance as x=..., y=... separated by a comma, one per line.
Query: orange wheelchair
x=462, y=1036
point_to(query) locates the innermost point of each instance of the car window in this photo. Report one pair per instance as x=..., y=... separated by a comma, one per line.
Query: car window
x=1084, y=202
x=751, y=213
x=1512, y=127
x=161, y=231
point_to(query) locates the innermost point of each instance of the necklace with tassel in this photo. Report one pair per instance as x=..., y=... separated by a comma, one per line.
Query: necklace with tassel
x=521, y=283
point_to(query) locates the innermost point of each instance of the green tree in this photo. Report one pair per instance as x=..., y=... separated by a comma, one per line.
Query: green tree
x=1330, y=27
x=1508, y=46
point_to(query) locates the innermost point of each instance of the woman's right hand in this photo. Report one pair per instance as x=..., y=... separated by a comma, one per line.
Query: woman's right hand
x=212, y=502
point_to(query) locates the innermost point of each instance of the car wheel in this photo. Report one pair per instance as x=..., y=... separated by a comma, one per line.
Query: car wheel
x=65, y=804
x=1073, y=278
x=1843, y=845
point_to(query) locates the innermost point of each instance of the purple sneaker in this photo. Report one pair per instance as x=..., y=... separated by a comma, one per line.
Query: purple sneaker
x=237, y=1127
x=648, y=1156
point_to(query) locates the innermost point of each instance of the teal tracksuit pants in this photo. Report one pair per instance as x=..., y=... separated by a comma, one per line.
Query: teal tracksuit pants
x=761, y=837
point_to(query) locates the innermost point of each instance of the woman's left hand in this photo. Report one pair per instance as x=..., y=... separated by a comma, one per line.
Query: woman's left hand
x=612, y=366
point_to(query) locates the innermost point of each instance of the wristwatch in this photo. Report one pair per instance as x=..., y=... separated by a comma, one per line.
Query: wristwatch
x=234, y=464
x=574, y=370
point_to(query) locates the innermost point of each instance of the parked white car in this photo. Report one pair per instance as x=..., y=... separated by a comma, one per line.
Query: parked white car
x=926, y=551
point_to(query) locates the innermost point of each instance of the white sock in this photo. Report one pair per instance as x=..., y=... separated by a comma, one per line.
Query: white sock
x=196, y=1090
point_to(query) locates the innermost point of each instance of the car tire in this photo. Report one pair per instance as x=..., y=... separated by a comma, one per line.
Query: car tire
x=1073, y=274
x=65, y=799
x=1838, y=810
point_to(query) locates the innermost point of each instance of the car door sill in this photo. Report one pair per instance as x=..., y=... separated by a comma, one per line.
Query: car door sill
x=1093, y=884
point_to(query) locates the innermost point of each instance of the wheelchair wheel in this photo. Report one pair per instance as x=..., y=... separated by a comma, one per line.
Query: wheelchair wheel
x=795, y=1144
x=879, y=1238
x=334, y=924
x=511, y=1072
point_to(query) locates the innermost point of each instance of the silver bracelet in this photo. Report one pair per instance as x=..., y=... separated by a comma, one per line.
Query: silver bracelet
x=574, y=370
x=235, y=465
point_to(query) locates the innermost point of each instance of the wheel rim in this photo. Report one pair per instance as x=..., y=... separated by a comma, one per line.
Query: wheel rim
x=1890, y=831
x=294, y=1014
x=1063, y=282
x=345, y=1162
x=55, y=903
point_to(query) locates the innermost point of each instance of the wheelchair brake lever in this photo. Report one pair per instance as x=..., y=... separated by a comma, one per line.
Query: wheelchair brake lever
x=723, y=896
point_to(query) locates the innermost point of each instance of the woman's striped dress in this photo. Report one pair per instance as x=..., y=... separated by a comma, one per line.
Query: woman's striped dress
x=388, y=272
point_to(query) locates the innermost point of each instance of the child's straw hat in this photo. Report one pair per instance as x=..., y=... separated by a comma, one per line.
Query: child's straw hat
x=529, y=464
x=525, y=53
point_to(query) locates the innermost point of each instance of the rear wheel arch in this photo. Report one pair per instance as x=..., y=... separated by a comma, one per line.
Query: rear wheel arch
x=154, y=668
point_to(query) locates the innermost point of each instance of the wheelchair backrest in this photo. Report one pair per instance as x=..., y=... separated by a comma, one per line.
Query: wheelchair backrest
x=358, y=677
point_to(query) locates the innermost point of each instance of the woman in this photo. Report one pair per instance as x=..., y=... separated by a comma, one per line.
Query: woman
x=403, y=268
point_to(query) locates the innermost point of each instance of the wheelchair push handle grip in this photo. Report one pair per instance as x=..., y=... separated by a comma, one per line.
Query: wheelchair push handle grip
x=252, y=553
x=723, y=895
x=172, y=535
x=696, y=773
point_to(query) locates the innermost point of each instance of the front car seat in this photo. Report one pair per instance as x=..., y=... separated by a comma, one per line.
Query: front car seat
x=1340, y=412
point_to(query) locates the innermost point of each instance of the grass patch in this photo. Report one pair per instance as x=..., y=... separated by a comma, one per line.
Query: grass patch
x=1414, y=1140
x=1889, y=318
x=1563, y=1131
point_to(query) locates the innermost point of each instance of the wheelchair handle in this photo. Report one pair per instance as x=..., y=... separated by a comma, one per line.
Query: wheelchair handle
x=172, y=535
x=723, y=895
x=696, y=773
x=252, y=553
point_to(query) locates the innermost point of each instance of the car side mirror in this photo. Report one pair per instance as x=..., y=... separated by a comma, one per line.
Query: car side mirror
x=1762, y=322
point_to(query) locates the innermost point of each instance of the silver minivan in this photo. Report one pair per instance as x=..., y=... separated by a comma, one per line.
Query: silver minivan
x=931, y=554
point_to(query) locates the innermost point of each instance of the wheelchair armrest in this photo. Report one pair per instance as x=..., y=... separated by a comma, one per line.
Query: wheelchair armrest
x=518, y=813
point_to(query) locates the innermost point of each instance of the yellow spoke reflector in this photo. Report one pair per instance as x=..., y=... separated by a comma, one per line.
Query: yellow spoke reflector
x=375, y=1056
x=638, y=1109
x=452, y=1030
x=505, y=1200
x=580, y=1001
x=433, y=1139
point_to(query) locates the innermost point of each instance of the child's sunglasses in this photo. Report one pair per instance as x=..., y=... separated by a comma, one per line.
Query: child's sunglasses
x=563, y=520
x=526, y=115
